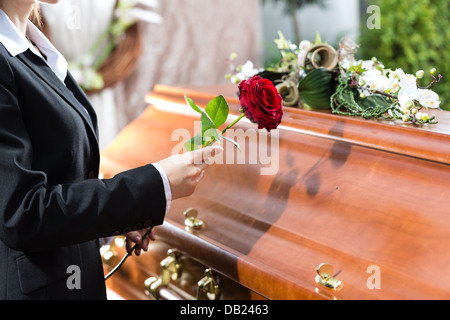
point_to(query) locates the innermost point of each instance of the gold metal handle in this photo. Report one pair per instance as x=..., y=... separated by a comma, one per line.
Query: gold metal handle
x=208, y=287
x=171, y=269
x=192, y=221
x=325, y=277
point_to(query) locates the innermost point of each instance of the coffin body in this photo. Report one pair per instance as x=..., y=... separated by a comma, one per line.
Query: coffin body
x=369, y=198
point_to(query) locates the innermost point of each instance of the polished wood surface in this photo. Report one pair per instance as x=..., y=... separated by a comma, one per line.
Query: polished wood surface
x=349, y=192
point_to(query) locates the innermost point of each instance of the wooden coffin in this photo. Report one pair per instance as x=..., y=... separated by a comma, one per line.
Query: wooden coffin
x=368, y=198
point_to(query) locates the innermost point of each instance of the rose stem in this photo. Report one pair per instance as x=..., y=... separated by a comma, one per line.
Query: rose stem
x=234, y=122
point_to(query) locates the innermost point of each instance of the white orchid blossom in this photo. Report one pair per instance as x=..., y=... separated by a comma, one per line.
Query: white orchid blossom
x=406, y=97
x=428, y=98
x=374, y=80
x=245, y=72
x=407, y=81
x=410, y=92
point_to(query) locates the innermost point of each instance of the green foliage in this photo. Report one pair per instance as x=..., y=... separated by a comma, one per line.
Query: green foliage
x=348, y=101
x=414, y=36
x=316, y=88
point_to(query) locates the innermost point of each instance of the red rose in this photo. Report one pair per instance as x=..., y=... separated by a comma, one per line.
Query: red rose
x=261, y=102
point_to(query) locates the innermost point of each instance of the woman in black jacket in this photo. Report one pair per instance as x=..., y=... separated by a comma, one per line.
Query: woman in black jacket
x=53, y=208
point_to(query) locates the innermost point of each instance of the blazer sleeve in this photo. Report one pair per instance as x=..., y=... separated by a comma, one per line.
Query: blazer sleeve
x=35, y=216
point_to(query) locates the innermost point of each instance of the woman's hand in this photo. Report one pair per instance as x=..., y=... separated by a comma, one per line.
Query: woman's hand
x=185, y=171
x=139, y=238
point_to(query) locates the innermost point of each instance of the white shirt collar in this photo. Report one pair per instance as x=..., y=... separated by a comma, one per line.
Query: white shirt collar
x=16, y=43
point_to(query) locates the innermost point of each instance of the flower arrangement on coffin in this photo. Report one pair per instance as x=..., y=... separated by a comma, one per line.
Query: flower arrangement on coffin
x=316, y=75
x=114, y=54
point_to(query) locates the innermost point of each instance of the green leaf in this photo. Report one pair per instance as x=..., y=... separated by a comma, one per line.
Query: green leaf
x=197, y=108
x=218, y=110
x=206, y=122
x=203, y=139
x=192, y=104
x=373, y=101
x=210, y=136
x=193, y=144
x=318, y=39
x=316, y=88
x=357, y=69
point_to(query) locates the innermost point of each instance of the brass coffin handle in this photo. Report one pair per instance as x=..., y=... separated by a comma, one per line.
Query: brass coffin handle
x=171, y=269
x=208, y=287
x=325, y=277
x=192, y=222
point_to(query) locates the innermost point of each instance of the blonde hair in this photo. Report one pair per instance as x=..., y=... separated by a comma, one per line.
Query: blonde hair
x=35, y=16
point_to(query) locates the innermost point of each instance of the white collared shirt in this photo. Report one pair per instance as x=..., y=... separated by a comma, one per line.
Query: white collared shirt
x=16, y=43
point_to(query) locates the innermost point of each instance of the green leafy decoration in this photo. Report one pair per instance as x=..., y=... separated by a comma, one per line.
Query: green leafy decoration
x=348, y=101
x=316, y=88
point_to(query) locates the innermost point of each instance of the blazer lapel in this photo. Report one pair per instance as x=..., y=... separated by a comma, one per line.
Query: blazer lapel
x=82, y=99
x=41, y=69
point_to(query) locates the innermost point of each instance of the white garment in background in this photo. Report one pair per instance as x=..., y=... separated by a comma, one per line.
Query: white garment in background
x=75, y=26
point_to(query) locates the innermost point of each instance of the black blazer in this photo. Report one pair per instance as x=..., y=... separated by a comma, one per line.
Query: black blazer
x=52, y=206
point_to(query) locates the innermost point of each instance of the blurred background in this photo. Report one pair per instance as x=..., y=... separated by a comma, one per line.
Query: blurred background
x=119, y=49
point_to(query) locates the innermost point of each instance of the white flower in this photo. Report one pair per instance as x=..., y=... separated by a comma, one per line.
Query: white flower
x=406, y=80
x=406, y=96
x=304, y=46
x=346, y=63
x=368, y=65
x=375, y=81
x=248, y=70
x=244, y=72
x=394, y=86
x=428, y=98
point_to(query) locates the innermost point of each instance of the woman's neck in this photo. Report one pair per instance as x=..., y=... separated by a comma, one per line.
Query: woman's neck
x=18, y=12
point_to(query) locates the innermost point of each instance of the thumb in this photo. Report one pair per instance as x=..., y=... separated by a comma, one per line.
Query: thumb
x=206, y=155
x=210, y=152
